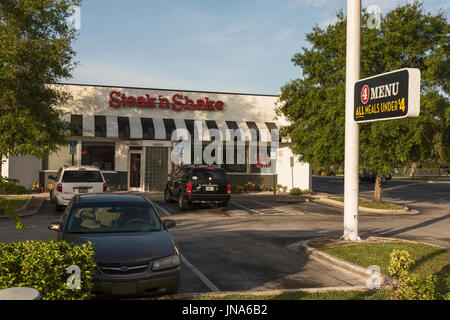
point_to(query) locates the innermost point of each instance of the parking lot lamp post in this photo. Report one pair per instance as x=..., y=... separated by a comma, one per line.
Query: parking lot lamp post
x=351, y=183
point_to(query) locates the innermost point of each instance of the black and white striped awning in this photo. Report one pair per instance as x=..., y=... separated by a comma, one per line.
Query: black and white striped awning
x=162, y=129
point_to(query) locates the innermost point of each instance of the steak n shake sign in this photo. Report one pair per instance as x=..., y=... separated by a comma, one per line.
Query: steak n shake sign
x=177, y=102
x=392, y=95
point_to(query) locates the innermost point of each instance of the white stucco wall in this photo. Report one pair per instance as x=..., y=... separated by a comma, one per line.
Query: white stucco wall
x=298, y=176
x=91, y=100
x=94, y=100
x=5, y=167
x=24, y=168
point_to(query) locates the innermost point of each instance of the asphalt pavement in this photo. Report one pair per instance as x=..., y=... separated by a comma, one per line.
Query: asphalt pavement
x=248, y=245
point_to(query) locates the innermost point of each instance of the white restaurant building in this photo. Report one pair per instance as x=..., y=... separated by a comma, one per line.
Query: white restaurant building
x=129, y=134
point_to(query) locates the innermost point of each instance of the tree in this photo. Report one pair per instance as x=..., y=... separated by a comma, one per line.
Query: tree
x=315, y=103
x=35, y=51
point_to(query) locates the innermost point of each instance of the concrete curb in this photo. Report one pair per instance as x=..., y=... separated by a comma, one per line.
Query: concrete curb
x=31, y=207
x=385, y=239
x=265, y=293
x=345, y=265
x=283, y=197
x=334, y=261
x=349, y=266
x=340, y=204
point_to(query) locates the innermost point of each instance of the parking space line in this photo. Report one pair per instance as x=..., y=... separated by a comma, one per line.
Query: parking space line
x=186, y=262
x=246, y=208
x=273, y=210
x=279, y=209
x=199, y=274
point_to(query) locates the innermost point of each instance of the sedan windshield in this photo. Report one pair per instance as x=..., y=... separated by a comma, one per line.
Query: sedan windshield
x=117, y=218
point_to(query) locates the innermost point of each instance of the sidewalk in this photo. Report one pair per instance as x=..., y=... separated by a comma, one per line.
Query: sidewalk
x=31, y=206
x=269, y=196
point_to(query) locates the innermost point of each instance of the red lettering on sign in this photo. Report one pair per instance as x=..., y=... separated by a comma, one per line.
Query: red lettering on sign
x=189, y=104
x=219, y=105
x=177, y=103
x=113, y=101
x=131, y=101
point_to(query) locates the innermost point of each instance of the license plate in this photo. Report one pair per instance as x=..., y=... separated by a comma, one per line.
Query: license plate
x=124, y=288
x=209, y=188
x=82, y=190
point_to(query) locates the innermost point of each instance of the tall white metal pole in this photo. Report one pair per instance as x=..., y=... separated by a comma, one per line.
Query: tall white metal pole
x=351, y=183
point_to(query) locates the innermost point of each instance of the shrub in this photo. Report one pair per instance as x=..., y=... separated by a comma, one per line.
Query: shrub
x=10, y=186
x=306, y=191
x=280, y=188
x=262, y=187
x=37, y=187
x=249, y=186
x=410, y=286
x=295, y=191
x=399, y=264
x=415, y=287
x=236, y=188
x=42, y=265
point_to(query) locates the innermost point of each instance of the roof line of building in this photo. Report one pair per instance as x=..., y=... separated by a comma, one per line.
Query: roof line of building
x=176, y=90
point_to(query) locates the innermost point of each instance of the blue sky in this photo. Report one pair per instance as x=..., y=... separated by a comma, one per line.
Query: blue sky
x=228, y=46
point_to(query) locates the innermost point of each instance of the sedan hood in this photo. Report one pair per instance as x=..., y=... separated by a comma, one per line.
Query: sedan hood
x=126, y=247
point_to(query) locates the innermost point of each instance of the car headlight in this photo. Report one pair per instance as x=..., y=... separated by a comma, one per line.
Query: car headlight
x=166, y=262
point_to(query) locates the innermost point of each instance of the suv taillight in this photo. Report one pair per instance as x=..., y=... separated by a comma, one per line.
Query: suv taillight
x=228, y=188
x=189, y=188
x=104, y=187
x=59, y=187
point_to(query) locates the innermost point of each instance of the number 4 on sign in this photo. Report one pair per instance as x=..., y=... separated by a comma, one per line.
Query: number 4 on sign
x=401, y=103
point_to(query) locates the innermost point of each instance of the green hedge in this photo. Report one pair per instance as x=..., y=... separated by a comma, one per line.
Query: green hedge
x=42, y=265
x=236, y=188
x=10, y=186
x=295, y=191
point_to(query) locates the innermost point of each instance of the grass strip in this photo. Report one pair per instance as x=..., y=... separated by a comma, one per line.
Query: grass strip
x=428, y=259
x=366, y=203
x=301, y=295
x=16, y=203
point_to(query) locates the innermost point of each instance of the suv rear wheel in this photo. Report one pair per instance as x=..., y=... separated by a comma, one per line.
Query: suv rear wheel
x=167, y=196
x=182, y=203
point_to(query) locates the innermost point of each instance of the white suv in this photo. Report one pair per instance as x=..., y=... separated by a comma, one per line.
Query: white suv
x=74, y=180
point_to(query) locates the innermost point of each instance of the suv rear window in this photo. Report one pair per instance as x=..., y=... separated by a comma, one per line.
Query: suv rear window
x=203, y=174
x=82, y=176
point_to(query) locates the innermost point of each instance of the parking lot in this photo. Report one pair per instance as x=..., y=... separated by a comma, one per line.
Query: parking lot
x=250, y=245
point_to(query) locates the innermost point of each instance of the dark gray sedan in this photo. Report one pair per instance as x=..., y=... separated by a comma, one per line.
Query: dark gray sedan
x=135, y=254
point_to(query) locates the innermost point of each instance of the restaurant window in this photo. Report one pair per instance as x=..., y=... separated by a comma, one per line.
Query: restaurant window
x=124, y=127
x=76, y=125
x=239, y=160
x=100, y=126
x=261, y=160
x=148, y=129
x=169, y=124
x=98, y=154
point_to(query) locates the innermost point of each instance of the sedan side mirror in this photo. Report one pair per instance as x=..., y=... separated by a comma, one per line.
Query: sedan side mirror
x=169, y=224
x=55, y=226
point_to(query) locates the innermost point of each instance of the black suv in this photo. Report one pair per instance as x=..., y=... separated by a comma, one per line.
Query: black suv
x=190, y=184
